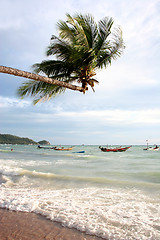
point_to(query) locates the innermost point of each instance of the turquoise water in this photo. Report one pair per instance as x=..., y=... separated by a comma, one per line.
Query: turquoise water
x=115, y=195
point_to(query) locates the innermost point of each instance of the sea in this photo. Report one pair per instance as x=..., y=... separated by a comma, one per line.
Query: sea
x=112, y=195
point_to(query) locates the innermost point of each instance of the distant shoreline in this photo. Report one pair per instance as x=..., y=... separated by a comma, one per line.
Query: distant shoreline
x=12, y=139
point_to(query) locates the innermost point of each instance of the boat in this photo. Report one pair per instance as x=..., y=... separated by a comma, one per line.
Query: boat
x=79, y=152
x=147, y=148
x=56, y=148
x=155, y=148
x=45, y=147
x=117, y=149
x=62, y=149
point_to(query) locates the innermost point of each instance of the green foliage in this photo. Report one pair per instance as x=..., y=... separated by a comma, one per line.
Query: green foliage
x=83, y=46
x=43, y=91
x=43, y=142
x=11, y=139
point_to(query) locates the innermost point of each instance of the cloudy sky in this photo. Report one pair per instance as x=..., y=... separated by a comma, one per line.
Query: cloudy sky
x=125, y=109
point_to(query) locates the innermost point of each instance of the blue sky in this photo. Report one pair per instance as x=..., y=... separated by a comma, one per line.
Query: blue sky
x=124, y=109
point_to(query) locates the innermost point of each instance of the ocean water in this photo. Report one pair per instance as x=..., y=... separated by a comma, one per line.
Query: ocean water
x=113, y=195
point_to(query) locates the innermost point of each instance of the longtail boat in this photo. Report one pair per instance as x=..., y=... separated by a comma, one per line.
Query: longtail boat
x=57, y=148
x=154, y=148
x=79, y=152
x=45, y=147
x=62, y=149
x=117, y=149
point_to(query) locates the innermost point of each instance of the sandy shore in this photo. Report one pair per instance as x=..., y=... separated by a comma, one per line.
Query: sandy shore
x=28, y=226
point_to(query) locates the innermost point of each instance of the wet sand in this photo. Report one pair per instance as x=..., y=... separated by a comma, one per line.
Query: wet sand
x=30, y=226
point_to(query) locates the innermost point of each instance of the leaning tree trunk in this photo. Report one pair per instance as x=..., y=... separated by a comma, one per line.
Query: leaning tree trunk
x=16, y=72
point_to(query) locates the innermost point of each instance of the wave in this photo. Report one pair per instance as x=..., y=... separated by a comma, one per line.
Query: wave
x=141, y=180
x=9, y=171
x=100, y=181
x=106, y=212
x=37, y=174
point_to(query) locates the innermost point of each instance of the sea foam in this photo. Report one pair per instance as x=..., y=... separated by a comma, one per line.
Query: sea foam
x=108, y=213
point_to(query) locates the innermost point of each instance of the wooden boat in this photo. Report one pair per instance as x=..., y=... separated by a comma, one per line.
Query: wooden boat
x=62, y=149
x=155, y=148
x=79, y=152
x=45, y=147
x=147, y=148
x=117, y=149
x=56, y=148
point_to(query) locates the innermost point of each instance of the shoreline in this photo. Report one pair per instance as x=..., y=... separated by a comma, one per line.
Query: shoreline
x=24, y=226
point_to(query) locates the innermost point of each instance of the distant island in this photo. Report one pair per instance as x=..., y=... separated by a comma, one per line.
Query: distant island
x=12, y=139
x=44, y=142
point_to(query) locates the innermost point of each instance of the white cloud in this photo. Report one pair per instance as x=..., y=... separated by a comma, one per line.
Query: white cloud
x=6, y=102
x=56, y=113
x=141, y=27
x=115, y=117
x=122, y=76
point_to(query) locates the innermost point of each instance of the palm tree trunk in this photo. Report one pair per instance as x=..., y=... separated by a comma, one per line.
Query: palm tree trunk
x=16, y=72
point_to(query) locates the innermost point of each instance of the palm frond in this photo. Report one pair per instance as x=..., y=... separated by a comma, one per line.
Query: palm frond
x=66, y=32
x=81, y=47
x=60, y=48
x=91, y=82
x=117, y=43
x=101, y=34
x=111, y=49
x=104, y=27
x=39, y=90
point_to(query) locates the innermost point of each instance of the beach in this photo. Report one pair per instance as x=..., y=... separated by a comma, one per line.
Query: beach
x=72, y=195
x=28, y=226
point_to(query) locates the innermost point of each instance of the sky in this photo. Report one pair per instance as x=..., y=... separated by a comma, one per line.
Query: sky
x=125, y=107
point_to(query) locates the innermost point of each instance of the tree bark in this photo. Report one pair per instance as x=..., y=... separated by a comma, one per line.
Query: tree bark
x=20, y=73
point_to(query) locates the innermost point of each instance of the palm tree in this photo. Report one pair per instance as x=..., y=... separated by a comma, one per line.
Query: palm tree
x=36, y=77
x=83, y=46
